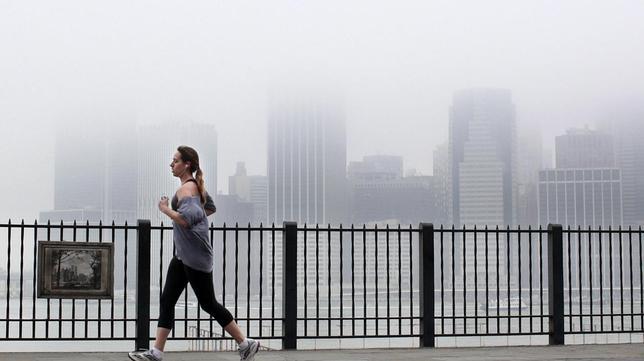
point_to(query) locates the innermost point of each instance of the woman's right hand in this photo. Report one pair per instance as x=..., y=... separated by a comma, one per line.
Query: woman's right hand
x=164, y=204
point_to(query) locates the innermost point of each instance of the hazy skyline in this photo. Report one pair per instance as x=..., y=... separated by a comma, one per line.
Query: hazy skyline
x=396, y=64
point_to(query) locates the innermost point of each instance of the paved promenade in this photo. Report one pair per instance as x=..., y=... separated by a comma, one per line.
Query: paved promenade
x=630, y=352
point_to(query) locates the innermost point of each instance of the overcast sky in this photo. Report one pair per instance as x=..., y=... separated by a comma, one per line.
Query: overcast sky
x=396, y=63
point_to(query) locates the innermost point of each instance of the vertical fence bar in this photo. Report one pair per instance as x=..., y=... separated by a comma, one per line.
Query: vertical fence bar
x=601, y=282
x=610, y=271
x=426, y=267
x=33, y=294
x=621, y=280
x=261, y=280
x=411, y=280
x=272, y=279
x=236, y=289
x=641, y=280
x=364, y=281
x=248, y=261
x=453, y=233
x=541, y=308
x=125, y=243
x=487, y=283
x=399, y=283
x=143, y=285
x=508, y=264
x=289, y=251
x=555, y=284
x=223, y=276
x=476, y=288
x=317, y=280
x=113, y=234
x=306, y=283
x=442, y=255
x=580, y=284
x=630, y=265
x=22, y=266
x=353, y=283
x=8, y=278
x=388, y=277
x=328, y=312
x=530, y=273
x=498, y=282
x=341, y=285
x=590, y=276
x=519, y=278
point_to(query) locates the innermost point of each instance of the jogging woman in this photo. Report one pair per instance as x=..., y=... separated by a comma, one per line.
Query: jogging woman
x=193, y=260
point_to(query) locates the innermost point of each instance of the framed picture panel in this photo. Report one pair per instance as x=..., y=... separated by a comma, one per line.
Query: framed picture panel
x=75, y=270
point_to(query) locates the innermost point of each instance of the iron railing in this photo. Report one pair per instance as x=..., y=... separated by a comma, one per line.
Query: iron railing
x=288, y=283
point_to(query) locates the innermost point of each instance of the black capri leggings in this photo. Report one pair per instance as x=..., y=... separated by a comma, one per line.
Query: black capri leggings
x=179, y=275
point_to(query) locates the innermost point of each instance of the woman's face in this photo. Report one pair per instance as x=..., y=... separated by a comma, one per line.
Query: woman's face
x=179, y=167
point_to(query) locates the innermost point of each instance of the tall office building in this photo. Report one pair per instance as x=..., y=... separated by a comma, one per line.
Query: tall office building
x=580, y=197
x=253, y=189
x=628, y=132
x=307, y=159
x=92, y=181
x=482, y=158
x=584, y=148
x=586, y=188
x=307, y=166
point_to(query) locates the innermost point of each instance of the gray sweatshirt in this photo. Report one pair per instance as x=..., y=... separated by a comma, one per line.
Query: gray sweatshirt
x=193, y=243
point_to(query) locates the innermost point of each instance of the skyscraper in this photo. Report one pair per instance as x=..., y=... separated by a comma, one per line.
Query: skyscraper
x=306, y=164
x=628, y=132
x=306, y=158
x=253, y=189
x=585, y=189
x=584, y=148
x=482, y=156
x=95, y=172
x=580, y=197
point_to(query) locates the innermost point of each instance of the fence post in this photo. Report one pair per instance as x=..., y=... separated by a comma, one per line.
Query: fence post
x=142, y=284
x=289, y=281
x=555, y=284
x=426, y=269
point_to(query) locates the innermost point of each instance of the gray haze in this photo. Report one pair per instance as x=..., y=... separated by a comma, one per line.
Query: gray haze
x=396, y=63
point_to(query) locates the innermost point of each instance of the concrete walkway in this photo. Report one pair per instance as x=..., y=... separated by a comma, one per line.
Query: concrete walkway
x=630, y=352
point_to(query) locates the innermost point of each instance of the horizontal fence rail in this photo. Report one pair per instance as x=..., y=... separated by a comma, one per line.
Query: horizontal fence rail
x=303, y=282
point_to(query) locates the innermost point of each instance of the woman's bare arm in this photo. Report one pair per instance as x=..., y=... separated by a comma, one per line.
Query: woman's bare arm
x=174, y=215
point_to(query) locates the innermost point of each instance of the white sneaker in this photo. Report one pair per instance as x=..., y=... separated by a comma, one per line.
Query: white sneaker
x=248, y=353
x=143, y=355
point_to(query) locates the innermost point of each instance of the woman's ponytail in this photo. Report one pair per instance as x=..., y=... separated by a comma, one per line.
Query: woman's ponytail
x=201, y=186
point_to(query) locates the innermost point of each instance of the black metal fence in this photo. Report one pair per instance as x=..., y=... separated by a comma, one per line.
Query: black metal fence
x=288, y=283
